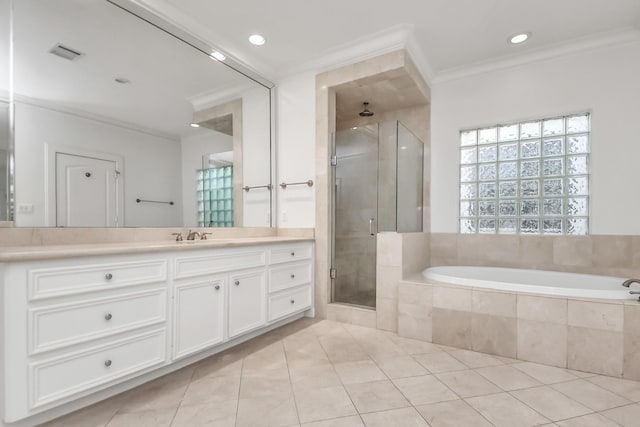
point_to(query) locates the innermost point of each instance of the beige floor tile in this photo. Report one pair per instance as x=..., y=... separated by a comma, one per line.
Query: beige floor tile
x=216, y=366
x=401, y=367
x=251, y=387
x=353, y=421
x=212, y=389
x=215, y=414
x=543, y=373
x=97, y=415
x=467, y=383
x=474, y=359
x=376, y=396
x=590, y=395
x=551, y=403
x=455, y=413
x=314, y=377
x=581, y=374
x=626, y=416
x=342, y=349
x=407, y=417
x=414, y=346
x=424, y=390
x=273, y=411
x=507, y=377
x=504, y=410
x=625, y=388
x=155, y=418
x=440, y=362
x=151, y=398
x=591, y=420
x=361, y=371
x=323, y=404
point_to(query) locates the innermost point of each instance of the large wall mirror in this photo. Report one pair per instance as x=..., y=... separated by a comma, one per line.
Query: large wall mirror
x=122, y=120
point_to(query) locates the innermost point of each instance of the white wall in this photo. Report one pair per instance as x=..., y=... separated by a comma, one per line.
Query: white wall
x=296, y=127
x=605, y=82
x=151, y=164
x=193, y=148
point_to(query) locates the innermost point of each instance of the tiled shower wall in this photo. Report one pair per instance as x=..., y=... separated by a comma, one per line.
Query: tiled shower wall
x=612, y=255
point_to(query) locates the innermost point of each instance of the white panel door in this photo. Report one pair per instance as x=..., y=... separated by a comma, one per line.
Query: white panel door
x=247, y=302
x=199, y=316
x=86, y=192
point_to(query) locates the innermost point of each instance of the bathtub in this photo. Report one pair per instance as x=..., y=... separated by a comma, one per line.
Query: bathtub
x=532, y=281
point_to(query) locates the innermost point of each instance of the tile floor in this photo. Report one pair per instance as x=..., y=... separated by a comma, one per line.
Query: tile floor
x=327, y=374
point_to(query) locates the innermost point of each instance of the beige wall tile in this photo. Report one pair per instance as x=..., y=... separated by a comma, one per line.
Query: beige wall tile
x=415, y=327
x=541, y=309
x=363, y=317
x=631, y=365
x=595, y=315
x=493, y=250
x=542, y=342
x=611, y=251
x=389, y=249
x=452, y=298
x=387, y=279
x=494, y=334
x=339, y=313
x=572, y=251
x=415, y=252
x=387, y=314
x=594, y=350
x=452, y=328
x=536, y=251
x=635, y=251
x=444, y=246
x=494, y=303
x=415, y=306
x=413, y=293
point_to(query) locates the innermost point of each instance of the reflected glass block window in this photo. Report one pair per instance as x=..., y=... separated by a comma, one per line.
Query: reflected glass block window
x=215, y=197
x=526, y=178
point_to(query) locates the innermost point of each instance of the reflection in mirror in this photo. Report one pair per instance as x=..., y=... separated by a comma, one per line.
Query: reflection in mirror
x=121, y=124
x=5, y=161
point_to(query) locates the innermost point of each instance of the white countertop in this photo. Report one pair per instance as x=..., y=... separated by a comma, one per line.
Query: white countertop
x=29, y=253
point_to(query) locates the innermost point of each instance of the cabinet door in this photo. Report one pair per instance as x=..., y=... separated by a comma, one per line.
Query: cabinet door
x=247, y=300
x=199, y=316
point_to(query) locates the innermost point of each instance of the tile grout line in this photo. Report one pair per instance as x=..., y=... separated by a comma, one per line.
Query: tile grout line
x=293, y=393
x=239, y=390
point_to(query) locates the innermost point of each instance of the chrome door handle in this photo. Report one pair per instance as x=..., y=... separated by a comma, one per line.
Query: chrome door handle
x=371, y=232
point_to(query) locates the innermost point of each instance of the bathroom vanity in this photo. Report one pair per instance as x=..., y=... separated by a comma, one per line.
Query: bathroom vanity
x=82, y=322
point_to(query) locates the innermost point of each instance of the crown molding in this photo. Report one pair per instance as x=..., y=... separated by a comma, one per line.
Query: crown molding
x=624, y=36
x=216, y=97
x=363, y=48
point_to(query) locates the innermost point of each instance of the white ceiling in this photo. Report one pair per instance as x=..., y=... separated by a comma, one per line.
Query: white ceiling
x=449, y=33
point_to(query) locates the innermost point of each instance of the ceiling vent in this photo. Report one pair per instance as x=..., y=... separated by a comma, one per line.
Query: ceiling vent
x=65, y=52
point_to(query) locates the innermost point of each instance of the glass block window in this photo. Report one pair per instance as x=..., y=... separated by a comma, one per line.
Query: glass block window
x=527, y=178
x=215, y=197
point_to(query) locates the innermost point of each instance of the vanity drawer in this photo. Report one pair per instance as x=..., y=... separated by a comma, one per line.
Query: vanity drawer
x=288, y=253
x=56, y=379
x=220, y=262
x=289, y=276
x=62, y=281
x=283, y=304
x=62, y=325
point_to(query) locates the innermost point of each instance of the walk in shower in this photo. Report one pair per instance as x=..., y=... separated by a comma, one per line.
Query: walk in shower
x=377, y=187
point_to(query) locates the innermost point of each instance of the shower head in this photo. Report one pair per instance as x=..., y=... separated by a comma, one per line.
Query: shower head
x=366, y=112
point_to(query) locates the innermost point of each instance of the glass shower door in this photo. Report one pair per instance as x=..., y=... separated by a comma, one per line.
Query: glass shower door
x=356, y=215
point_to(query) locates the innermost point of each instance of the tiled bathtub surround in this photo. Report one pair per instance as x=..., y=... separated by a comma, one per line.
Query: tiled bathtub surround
x=591, y=336
x=608, y=255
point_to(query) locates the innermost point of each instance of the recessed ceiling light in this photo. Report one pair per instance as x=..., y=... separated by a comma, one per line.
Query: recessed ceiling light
x=519, y=38
x=257, y=39
x=217, y=56
x=194, y=125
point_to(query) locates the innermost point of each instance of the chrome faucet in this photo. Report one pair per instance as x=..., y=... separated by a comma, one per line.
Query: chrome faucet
x=204, y=235
x=192, y=235
x=178, y=236
x=628, y=283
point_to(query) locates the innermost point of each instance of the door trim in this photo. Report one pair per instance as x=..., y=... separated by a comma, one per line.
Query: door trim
x=50, y=178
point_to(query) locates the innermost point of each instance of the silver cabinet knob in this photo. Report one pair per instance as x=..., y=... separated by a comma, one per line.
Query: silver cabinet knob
x=237, y=282
x=107, y=363
x=293, y=301
x=293, y=276
x=108, y=316
x=108, y=276
x=293, y=254
x=217, y=287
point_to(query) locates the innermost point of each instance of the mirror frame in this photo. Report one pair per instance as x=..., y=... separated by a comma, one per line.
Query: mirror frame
x=145, y=13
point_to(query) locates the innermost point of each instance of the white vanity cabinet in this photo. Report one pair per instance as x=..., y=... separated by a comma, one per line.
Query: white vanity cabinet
x=79, y=325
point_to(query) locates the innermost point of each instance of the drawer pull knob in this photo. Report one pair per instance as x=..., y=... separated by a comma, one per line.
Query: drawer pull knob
x=217, y=287
x=293, y=254
x=108, y=316
x=237, y=282
x=293, y=276
x=108, y=276
x=107, y=363
x=293, y=301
